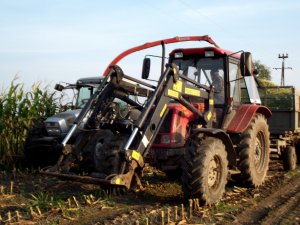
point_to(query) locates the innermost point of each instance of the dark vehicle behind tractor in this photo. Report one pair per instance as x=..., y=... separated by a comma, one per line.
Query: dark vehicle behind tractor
x=193, y=119
x=40, y=145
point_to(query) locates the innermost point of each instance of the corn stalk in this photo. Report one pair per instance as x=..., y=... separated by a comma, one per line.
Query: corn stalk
x=19, y=110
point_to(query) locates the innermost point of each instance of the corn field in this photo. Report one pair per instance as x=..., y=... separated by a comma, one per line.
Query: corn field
x=19, y=110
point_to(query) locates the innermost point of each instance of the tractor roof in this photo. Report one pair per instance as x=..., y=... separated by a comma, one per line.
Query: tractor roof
x=89, y=80
x=201, y=51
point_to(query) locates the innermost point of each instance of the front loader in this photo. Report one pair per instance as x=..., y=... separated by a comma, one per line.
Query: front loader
x=212, y=130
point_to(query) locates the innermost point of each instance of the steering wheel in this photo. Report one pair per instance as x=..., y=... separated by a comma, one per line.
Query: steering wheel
x=84, y=101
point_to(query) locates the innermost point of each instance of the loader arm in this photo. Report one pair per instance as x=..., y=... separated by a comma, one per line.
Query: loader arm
x=172, y=86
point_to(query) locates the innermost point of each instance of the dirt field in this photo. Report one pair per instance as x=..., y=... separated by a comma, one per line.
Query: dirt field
x=34, y=199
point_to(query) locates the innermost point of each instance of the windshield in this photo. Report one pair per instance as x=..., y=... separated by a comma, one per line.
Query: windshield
x=84, y=94
x=199, y=69
x=206, y=71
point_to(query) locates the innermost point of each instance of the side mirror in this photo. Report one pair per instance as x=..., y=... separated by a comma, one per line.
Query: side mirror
x=59, y=87
x=246, y=64
x=146, y=68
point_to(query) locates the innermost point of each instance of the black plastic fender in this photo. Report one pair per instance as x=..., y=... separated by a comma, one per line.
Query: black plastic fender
x=218, y=133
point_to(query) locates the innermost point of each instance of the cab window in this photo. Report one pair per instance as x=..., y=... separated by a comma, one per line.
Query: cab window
x=234, y=83
x=206, y=71
x=84, y=94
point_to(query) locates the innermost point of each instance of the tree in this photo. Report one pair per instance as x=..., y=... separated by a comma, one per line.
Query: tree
x=264, y=71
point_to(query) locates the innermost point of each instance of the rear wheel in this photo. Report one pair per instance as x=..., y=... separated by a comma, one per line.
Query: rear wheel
x=255, y=152
x=204, y=171
x=289, y=158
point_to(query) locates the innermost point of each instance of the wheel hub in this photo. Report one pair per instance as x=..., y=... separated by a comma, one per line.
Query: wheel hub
x=259, y=151
x=294, y=157
x=212, y=172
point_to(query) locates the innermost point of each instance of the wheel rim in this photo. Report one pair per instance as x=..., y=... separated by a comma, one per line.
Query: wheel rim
x=214, y=169
x=259, y=151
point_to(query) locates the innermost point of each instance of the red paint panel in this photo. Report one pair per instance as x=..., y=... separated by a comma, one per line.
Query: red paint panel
x=180, y=120
x=242, y=119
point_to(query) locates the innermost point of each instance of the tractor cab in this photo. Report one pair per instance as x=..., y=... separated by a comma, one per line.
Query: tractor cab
x=204, y=66
x=232, y=88
x=220, y=70
x=235, y=97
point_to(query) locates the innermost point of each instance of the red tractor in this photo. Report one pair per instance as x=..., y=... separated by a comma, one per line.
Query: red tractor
x=203, y=118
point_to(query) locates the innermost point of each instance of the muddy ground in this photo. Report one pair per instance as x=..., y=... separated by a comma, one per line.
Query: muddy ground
x=26, y=197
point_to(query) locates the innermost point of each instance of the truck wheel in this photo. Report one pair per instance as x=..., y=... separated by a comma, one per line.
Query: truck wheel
x=255, y=152
x=37, y=151
x=204, y=170
x=289, y=158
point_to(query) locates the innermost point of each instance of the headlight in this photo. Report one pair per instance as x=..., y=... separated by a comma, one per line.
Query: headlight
x=178, y=55
x=209, y=53
x=53, y=128
x=165, y=139
x=53, y=131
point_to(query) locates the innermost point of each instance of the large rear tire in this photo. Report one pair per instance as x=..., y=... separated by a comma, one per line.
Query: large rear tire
x=254, y=152
x=204, y=170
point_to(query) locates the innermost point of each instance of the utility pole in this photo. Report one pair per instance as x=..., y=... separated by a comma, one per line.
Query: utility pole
x=283, y=57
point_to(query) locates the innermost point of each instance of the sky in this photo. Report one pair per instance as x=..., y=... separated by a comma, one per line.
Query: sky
x=51, y=41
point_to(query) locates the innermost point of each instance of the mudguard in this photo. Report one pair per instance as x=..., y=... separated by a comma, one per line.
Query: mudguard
x=244, y=116
x=218, y=133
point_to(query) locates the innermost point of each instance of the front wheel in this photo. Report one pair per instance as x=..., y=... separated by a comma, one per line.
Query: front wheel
x=254, y=152
x=204, y=170
x=107, y=148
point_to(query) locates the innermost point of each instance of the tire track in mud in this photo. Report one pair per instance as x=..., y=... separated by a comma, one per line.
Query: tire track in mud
x=281, y=207
x=281, y=214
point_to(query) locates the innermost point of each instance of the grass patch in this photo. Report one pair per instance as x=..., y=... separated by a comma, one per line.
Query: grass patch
x=224, y=207
x=292, y=173
x=44, y=201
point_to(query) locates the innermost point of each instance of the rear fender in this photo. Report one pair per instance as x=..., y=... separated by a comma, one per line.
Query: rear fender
x=220, y=134
x=244, y=116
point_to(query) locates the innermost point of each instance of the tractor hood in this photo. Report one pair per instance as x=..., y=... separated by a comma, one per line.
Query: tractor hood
x=60, y=124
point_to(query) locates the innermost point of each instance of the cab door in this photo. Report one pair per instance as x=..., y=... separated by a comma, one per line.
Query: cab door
x=233, y=91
